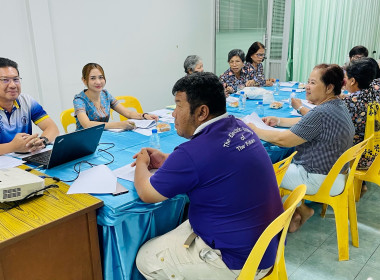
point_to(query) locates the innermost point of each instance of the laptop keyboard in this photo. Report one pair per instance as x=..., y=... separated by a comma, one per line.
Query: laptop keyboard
x=42, y=158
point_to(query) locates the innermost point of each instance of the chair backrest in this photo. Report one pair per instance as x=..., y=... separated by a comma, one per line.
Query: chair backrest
x=352, y=156
x=281, y=167
x=372, y=127
x=129, y=102
x=281, y=223
x=373, y=172
x=67, y=118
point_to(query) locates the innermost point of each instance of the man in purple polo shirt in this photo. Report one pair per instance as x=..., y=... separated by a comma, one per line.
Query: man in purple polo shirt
x=229, y=178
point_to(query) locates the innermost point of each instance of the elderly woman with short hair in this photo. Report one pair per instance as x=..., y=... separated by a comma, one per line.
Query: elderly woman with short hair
x=193, y=64
x=237, y=76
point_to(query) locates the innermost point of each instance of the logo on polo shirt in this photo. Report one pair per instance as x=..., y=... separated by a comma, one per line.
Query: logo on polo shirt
x=24, y=121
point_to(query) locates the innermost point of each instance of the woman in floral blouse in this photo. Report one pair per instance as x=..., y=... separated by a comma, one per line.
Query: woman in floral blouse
x=254, y=58
x=237, y=76
x=359, y=75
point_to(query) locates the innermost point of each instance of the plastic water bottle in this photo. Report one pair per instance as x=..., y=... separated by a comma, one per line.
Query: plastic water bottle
x=292, y=95
x=260, y=109
x=242, y=100
x=154, y=141
x=277, y=87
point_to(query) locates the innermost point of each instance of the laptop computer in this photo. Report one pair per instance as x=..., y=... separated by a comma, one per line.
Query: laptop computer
x=69, y=147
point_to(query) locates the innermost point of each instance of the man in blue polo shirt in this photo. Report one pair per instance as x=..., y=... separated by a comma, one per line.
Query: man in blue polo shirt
x=229, y=179
x=17, y=111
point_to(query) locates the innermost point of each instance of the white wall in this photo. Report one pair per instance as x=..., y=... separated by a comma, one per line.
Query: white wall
x=141, y=45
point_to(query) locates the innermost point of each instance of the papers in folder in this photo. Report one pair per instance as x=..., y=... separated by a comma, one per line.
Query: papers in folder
x=256, y=120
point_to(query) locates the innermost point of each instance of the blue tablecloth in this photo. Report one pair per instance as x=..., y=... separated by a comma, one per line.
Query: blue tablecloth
x=125, y=222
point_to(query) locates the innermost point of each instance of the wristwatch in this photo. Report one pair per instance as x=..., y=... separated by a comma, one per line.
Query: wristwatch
x=44, y=140
x=143, y=115
x=299, y=109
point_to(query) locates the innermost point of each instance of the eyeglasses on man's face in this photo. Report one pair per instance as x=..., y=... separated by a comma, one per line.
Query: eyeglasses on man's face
x=6, y=81
x=357, y=56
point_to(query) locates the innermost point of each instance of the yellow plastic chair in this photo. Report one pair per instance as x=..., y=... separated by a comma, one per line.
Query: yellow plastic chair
x=67, y=118
x=372, y=150
x=129, y=102
x=281, y=223
x=343, y=204
x=372, y=174
x=281, y=167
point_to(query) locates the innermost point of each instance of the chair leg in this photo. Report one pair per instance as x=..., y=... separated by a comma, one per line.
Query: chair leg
x=352, y=216
x=282, y=274
x=341, y=221
x=357, y=188
x=324, y=208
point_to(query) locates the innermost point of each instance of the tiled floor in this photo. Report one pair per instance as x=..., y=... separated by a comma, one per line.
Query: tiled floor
x=311, y=253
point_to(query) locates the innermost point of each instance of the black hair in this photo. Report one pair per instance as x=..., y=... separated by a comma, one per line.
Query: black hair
x=203, y=89
x=358, y=50
x=253, y=49
x=5, y=62
x=363, y=70
x=332, y=74
x=236, y=52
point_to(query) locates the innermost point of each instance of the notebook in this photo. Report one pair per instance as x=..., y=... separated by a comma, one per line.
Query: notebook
x=69, y=147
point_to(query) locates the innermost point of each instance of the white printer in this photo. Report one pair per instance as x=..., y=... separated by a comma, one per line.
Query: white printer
x=16, y=184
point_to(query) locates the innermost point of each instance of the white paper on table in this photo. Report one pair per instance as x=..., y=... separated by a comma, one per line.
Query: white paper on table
x=162, y=113
x=144, y=131
x=256, y=120
x=139, y=124
x=9, y=162
x=143, y=123
x=287, y=84
x=98, y=179
x=127, y=172
x=290, y=89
